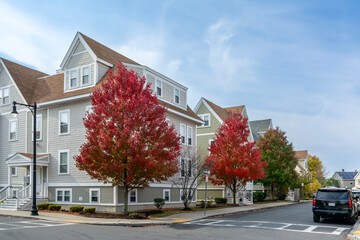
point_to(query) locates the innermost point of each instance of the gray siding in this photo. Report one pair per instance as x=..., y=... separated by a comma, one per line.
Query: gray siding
x=151, y=81
x=80, y=48
x=71, y=141
x=79, y=60
x=82, y=194
x=41, y=144
x=102, y=69
x=137, y=70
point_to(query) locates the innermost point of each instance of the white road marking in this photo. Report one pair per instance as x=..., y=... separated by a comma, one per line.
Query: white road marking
x=319, y=229
x=31, y=224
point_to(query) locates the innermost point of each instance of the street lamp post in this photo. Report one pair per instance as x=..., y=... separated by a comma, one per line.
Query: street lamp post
x=34, y=210
x=207, y=173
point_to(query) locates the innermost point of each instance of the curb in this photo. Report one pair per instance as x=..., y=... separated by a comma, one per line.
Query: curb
x=160, y=223
x=350, y=236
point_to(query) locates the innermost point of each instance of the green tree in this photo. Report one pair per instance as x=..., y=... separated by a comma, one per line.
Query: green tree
x=331, y=182
x=279, y=155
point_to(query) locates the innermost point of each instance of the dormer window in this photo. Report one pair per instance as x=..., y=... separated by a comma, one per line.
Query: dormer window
x=85, y=75
x=4, y=96
x=73, y=78
x=177, y=96
x=158, y=87
x=206, y=119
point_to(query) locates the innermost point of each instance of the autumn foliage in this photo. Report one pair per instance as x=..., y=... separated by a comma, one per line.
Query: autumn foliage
x=233, y=159
x=128, y=142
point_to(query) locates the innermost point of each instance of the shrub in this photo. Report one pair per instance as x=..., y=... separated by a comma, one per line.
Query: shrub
x=159, y=203
x=90, y=210
x=77, y=208
x=282, y=196
x=208, y=203
x=43, y=206
x=54, y=207
x=258, y=196
x=134, y=215
x=220, y=200
x=63, y=210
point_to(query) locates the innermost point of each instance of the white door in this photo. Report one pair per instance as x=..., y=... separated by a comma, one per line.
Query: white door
x=39, y=181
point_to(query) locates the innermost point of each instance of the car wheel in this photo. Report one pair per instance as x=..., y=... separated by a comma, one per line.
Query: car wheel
x=352, y=219
x=316, y=218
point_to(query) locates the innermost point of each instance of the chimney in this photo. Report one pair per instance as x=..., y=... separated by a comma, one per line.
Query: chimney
x=342, y=170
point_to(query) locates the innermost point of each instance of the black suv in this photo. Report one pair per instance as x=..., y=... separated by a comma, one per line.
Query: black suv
x=335, y=202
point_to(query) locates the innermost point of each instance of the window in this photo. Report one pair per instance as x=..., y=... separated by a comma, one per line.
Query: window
x=158, y=87
x=13, y=130
x=177, y=96
x=189, y=135
x=185, y=167
x=64, y=122
x=73, y=78
x=211, y=142
x=63, y=195
x=182, y=133
x=206, y=119
x=133, y=196
x=359, y=181
x=166, y=195
x=14, y=171
x=183, y=194
x=63, y=161
x=86, y=75
x=38, y=127
x=94, y=195
x=4, y=96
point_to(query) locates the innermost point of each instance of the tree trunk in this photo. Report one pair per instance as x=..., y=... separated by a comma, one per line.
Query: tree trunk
x=126, y=199
x=234, y=192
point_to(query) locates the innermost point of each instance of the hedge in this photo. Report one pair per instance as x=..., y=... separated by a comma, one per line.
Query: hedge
x=77, y=208
x=159, y=202
x=220, y=200
x=43, y=206
x=54, y=207
x=90, y=210
x=258, y=196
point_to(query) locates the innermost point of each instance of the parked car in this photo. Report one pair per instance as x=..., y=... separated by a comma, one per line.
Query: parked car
x=356, y=195
x=335, y=203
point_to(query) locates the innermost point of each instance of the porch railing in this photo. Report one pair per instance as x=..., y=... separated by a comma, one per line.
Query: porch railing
x=4, y=193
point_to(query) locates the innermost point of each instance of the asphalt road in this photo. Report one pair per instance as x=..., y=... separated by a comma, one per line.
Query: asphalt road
x=293, y=222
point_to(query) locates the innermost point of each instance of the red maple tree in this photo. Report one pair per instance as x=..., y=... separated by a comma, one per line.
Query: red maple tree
x=233, y=159
x=128, y=142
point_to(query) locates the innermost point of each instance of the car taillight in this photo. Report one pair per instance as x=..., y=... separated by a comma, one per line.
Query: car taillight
x=314, y=202
x=350, y=203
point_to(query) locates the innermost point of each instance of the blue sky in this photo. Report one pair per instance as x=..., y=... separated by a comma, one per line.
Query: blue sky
x=296, y=62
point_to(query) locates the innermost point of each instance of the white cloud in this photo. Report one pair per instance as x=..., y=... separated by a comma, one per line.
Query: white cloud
x=28, y=40
x=229, y=69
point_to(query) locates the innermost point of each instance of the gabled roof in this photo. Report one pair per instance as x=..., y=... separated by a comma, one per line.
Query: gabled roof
x=105, y=53
x=259, y=126
x=223, y=113
x=301, y=154
x=300, y=167
x=25, y=78
x=347, y=175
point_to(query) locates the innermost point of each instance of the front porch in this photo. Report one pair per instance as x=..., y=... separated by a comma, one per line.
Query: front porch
x=18, y=192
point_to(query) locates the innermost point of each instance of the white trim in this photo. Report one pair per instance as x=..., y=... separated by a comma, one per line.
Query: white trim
x=16, y=132
x=41, y=127
x=16, y=172
x=104, y=62
x=205, y=134
x=191, y=136
x=47, y=131
x=202, y=116
x=64, y=99
x=175, y=96
x=70, y=77
x=202, y=100
x=63, y=196
x=11, y=78
x=81, y=75
x=161, y=88
x=167, y=190
x=2, y=95
x=98, y=195
x=173, y=104
x=96, y=184
x=59, y=121
x=26, y=131
x=181, y=141
x=136, y=196
x=183, y=115
x=68, y=160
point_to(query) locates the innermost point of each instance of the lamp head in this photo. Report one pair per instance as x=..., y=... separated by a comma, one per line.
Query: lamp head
x=14, y=113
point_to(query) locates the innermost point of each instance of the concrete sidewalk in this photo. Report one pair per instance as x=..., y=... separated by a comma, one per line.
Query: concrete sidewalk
x=181, y=217
x=355, y=233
